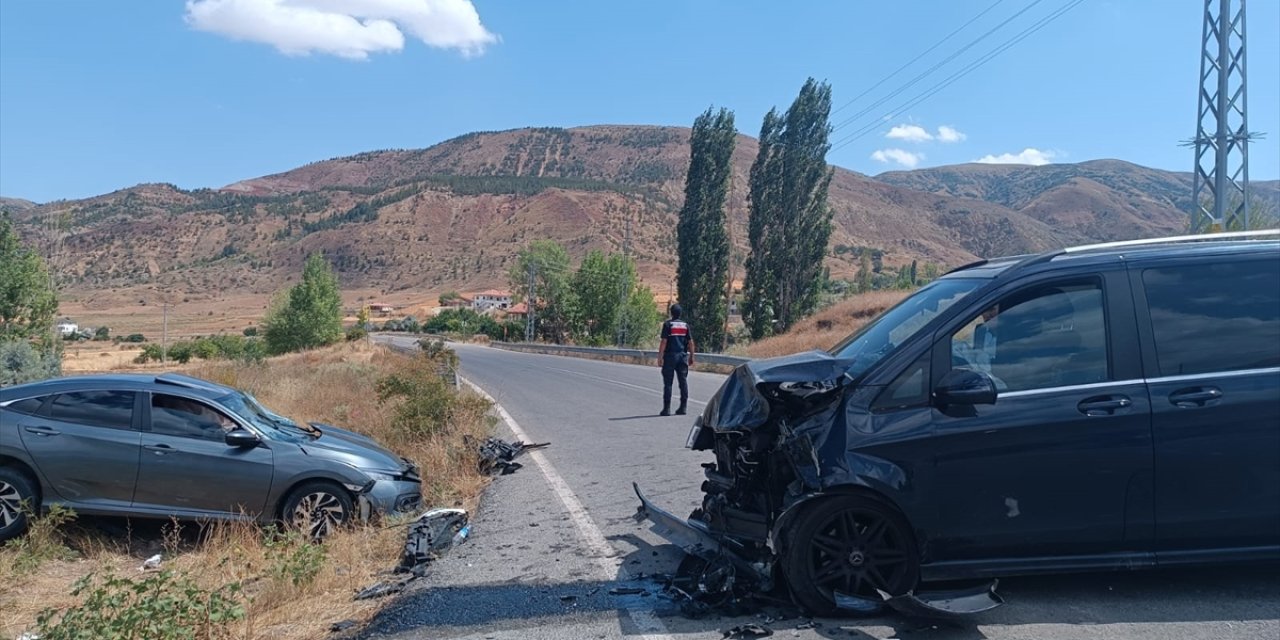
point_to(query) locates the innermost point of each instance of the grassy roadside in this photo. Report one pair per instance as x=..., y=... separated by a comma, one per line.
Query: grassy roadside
x=237, y=580
x=824, y=329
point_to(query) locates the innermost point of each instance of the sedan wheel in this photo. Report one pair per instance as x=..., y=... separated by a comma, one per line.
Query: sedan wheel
x=17, y=496
x=318, y=509
x=852, y=546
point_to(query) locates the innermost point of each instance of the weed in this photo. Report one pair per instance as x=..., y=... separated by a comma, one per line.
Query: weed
x=162, y=606
x=292, y=558
x=43, y=542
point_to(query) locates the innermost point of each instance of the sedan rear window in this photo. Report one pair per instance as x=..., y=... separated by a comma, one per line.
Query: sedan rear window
x=109, y=409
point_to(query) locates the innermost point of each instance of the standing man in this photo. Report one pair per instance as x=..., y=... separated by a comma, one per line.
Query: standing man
x=675, y=354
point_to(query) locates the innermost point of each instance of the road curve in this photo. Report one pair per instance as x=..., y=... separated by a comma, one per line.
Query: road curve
x=550, y=541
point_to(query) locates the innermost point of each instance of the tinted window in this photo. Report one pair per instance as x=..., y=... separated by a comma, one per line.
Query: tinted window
x=111, y=409
x=29, y=406
x=175, y=416
x=1050, y=336
x=1215, y=317
x=910, y=388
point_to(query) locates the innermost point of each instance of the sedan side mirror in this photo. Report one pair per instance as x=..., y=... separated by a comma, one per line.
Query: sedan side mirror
x=242, y=438
x=965, y=387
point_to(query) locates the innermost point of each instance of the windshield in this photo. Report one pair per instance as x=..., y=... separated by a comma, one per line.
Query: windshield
x=248, y=407
x=895, y=326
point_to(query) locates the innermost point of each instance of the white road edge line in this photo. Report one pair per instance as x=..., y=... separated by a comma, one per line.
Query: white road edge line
x=602, y=552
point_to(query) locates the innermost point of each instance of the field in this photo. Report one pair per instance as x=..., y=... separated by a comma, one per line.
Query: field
x=827, y=327
x=290, y=590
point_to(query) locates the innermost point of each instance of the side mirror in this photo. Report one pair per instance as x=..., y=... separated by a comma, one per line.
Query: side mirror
x=243, y=439
x=965, y=387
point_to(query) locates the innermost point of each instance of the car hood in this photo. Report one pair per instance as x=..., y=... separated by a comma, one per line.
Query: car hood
x=742, y=404
x=352, y=448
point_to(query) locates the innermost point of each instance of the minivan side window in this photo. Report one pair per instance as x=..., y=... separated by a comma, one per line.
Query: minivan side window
x=1048, y=336
x=1208, y=318
x=110, y=409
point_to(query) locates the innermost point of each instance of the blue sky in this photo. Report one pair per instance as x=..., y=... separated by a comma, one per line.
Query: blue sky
x=96, y=96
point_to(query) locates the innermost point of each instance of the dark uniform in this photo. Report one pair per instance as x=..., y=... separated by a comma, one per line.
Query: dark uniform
x=678, y=349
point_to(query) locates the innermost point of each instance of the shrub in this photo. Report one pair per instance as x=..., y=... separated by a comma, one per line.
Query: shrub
x=135, y=338
x=292, y=558
x=161, y=606
x=42, y=543
x=102, y=334
x=425, y=404
x=21, y=362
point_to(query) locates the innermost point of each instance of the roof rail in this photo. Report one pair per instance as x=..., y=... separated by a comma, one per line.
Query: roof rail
x=1203, y=237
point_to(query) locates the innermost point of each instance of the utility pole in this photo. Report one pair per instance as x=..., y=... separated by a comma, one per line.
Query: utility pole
x=530, y=304
x=1220, y=191
x=164, y=337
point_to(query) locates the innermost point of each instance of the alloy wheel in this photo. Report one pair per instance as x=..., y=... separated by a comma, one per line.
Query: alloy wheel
x=10, y=504
x=857, y=551
x=319, y=514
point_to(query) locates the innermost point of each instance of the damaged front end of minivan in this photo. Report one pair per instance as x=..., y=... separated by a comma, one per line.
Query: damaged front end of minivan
x=779, y=432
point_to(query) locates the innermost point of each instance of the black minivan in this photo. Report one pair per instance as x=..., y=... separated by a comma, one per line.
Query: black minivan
x=1112, y=406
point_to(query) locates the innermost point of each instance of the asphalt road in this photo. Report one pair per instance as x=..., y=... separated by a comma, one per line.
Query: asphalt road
x=551, y=541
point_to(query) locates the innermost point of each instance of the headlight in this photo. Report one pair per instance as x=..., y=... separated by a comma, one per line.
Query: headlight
x=388, y=476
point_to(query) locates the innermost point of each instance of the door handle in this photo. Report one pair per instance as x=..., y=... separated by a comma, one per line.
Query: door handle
x=159, y=449
x=43, y=432
x=1194, y=397
x=1103, y=405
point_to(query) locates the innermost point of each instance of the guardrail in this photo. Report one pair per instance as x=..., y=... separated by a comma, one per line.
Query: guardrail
x=556, y=349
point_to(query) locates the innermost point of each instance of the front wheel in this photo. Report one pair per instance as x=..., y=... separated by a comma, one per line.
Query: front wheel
x=317, y=509
x=850, y=545
x=17, y=501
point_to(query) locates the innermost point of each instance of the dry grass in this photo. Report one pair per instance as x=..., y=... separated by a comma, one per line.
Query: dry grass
x=336, y=385
x=827, y=327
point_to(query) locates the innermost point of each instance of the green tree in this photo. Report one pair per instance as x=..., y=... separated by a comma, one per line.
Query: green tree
x=553, y=302
x=28, y=302
x=701, y=237
x=640, y=319
x=308, y=315
x=601, y=287
x=789, y=222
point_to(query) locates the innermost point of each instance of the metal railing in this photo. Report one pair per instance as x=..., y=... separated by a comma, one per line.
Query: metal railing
x=561, y=349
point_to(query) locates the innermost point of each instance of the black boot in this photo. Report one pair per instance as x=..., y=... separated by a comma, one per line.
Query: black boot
x=665, y=412
x=680, y=411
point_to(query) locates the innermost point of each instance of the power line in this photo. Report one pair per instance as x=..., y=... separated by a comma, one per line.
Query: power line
x=927, y=72
x=915, y=59
x=973, y=66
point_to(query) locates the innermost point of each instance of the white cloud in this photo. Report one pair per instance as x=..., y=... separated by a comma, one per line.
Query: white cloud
x=909, y=132
x=1029, y=156
x=899, y=156
x=950, y=134
x=346, y=28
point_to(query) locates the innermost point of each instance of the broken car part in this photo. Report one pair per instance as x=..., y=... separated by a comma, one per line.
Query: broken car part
x=431, y=535
x=946, y=604
x=497, y=456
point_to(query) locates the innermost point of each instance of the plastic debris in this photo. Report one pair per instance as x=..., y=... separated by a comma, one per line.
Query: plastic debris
x=341, y=626
x=381, y=590
x=152, y=563
x=748, y=631
x=430, y=536
x=497, y=457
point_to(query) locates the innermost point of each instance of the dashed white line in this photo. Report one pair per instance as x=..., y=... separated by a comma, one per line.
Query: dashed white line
x=602, y=553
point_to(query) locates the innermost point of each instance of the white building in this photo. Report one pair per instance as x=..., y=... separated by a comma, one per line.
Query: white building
x=491, y=299
x=68, y=328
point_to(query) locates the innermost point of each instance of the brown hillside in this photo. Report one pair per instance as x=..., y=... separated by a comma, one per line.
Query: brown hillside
x=405, y=225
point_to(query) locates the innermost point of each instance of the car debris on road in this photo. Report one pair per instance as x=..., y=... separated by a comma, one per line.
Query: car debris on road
x=429, y=537
x=497, y=456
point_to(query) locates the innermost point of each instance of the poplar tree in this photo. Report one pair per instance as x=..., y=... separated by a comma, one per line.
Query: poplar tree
x=790, y=222
x=701, y=237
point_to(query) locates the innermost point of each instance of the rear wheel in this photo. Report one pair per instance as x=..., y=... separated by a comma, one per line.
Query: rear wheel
x=17, y=500
x=850, y=545
x=317, y=509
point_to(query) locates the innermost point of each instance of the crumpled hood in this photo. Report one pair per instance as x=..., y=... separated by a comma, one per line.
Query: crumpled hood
x=353, y=449
x=740, y=403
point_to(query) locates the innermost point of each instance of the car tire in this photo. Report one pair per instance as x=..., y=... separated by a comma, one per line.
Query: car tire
x=853, y=545
x=16, y=490
x=317, y=509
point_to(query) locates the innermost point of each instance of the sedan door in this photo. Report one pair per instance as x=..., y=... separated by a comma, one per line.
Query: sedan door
x=187, y=466
x=1061, y=463
x=85, y=444
x=1212, y=337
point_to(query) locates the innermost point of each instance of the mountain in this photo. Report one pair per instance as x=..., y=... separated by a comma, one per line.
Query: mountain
x=1100, y=199
x=16, y=204
x=414, y=223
